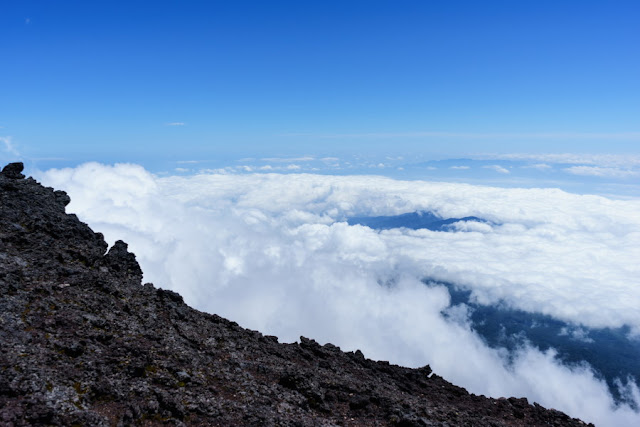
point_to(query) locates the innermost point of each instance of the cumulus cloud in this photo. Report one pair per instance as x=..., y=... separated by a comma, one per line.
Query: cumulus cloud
x=273, y=252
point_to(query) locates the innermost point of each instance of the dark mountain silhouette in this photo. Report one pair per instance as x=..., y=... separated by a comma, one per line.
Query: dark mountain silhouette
x=84, y=342
x=611, y=352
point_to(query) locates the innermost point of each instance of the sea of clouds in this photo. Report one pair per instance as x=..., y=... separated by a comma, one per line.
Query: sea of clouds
x=274, y=253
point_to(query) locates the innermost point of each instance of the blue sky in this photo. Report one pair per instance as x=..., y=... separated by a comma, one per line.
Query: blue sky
x=159, y=82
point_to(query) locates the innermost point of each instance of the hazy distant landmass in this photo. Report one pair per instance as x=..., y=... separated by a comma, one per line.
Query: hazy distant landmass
x=412, y=220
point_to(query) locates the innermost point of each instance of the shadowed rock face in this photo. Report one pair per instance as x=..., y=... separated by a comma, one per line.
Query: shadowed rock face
x=85, y=343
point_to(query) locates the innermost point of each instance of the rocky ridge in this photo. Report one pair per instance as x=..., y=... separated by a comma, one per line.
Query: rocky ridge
x=84, y=342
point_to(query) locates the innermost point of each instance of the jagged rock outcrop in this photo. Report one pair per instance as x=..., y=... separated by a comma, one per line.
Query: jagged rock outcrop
x=85, y=343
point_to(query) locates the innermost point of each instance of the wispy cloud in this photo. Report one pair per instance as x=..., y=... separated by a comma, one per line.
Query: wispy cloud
x=602, y=172
x=288, y=159
x=8, y=145
x=578, y=334
x=539, y=166
x=263, y=168
x=497, y=168
x=176, y=124
x=617, y=136
x=459, y=167
x=50, y=159
x=605, y=160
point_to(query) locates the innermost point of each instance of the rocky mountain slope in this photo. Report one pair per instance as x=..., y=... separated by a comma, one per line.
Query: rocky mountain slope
x=84, y=342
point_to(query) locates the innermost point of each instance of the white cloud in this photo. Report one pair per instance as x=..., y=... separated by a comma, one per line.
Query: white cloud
x=459, y=167
x=254, y=169
x=470, y=226
x=578, y=334
x=539, y=166
x=603, y=172
x=270, y=252
x=176, y=124
x=497, y=168
x=288, y=159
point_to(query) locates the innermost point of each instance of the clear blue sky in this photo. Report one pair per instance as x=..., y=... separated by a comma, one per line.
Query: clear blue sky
x=104, y=80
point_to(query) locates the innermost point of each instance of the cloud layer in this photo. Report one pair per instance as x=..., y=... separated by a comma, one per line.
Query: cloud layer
x=274, y=253
x=602, y=172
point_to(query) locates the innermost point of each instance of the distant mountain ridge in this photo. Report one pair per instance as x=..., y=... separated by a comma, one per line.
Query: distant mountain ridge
x=84, y=342
x=413, y=220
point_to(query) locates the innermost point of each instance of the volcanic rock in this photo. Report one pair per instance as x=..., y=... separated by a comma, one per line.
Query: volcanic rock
x=13, y=170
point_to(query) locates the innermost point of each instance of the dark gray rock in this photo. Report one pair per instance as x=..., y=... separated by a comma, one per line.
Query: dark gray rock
x=121, y=260
x=13, y=170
